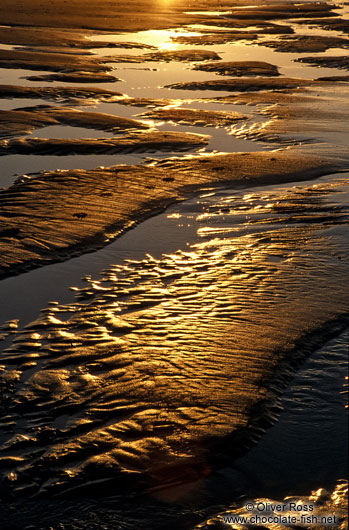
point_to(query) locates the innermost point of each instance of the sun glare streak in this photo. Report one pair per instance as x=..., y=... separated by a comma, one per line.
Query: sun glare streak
x=168, y=45
x=162, y=39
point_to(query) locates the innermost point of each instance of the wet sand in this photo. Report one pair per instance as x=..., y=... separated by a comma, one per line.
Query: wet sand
x=144, y=339
x=122, y=16
x=57, y=215
x=166, y=370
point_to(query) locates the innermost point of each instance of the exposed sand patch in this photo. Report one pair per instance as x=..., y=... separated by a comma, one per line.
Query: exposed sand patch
x=297, y=95
x=56, y=62
x=307, y=43
x=24, y=121
x=54, y=39
x=245, y=84
x=327, y=61
x=335, y=78
x=76, y=95
x=267, y=28
x=196, y=117
x=64, y=213
x=36, y=36
x=76, y=77
x=166, y=56
x=215, y=38
x=71, y=50
x=284, y=10
x=239, y=68
x=336, y=24
x=298, y=123
x=17, y=123
x=150, y=102
x=130, y=143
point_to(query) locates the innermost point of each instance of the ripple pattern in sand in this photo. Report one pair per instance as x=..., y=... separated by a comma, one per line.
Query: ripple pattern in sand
x=162, y=365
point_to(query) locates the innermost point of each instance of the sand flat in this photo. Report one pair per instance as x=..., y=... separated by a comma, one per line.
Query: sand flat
x=60, y=214
x=194, y=117
x=25, y=120
x=55, y=62
x=240, y=68
x=76, y=77
x=134, y=384
x=115, y=15
x=339, y=61
x=165, y=370
x=166, y=56
x=245, y=84
x=307, y=43
x=128, y=143
x=59, y=94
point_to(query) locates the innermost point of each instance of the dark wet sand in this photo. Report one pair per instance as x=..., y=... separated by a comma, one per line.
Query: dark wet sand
x=165, y=370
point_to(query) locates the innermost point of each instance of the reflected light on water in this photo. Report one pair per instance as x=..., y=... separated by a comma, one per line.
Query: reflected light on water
x=168, y=46
x=162, y=39
x=163, y=365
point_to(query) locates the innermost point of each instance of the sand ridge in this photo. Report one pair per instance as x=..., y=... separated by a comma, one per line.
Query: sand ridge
x=41, y=217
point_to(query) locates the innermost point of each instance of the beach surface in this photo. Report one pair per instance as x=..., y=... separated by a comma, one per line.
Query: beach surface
x=183, y=169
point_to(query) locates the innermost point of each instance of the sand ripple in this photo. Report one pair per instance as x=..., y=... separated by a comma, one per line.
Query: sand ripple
x=165, y=369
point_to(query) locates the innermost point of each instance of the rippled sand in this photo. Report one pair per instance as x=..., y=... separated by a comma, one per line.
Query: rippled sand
x=166, y=370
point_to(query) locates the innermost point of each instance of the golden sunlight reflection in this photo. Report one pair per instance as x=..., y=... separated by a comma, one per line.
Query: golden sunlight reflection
x=346, y=389
x=174, y=216
x=159, y=38
x=158, y=342
x=162, y=39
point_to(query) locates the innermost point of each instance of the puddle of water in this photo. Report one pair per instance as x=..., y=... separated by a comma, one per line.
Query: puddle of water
x=158, y=38
x=16, y=76
x=151, y=82
x=12, y=166
x=66, y=131
x=18, y=103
